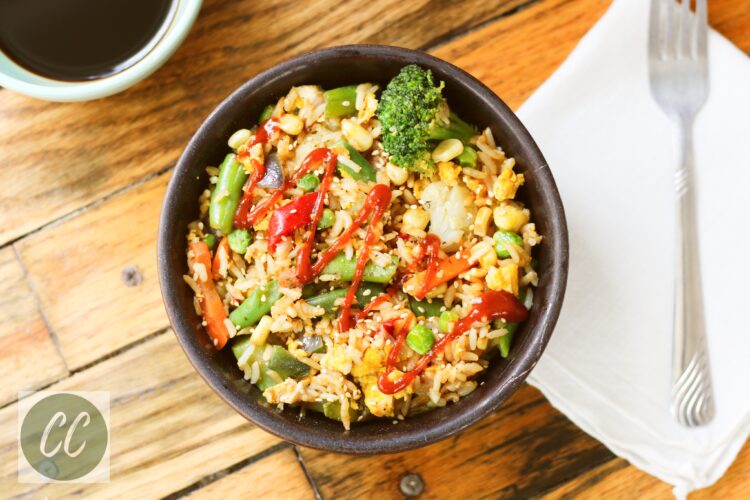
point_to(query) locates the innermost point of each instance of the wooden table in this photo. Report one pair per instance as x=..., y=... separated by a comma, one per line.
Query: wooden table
x=81, y=310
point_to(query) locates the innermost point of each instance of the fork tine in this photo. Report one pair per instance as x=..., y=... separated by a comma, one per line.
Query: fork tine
x=671, y=29
x=686, y=32
x=701, y=19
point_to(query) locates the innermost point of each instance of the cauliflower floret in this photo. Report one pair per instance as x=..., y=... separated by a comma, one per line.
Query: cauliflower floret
x=507, y=184
x=510, y=216
x=449, y=172
x=504, y=277
x=451, y=213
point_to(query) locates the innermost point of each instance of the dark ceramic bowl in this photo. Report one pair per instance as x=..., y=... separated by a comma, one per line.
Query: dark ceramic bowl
x=330, y=68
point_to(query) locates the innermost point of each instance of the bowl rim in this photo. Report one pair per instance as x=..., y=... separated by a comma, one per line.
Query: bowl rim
x=518, y=369
x=49, y=89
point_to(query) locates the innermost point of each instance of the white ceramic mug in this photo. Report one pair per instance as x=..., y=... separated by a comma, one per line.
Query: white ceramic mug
x=19, y=79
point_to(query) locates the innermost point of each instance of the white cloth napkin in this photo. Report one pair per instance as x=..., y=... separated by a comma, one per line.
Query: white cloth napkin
x=613, y=153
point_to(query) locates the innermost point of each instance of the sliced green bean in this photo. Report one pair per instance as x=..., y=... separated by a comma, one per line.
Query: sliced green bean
x=344, y=269
x=503, y=239
x=265, y=114
x=256, y=305
x=341, y=101
x=226, y=195
x=427, y=308
x=326, y=219
x=328, y=300
x=265, y=379
x=210, y=240
x=282, y=362
x=447, y=318
x=239, y=240
x=366, y=171
x=420, y=339
x=308, y=183
x=468, y=157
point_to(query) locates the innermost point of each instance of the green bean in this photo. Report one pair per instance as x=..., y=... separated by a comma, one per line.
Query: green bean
x=447, y=318
x=344, y=269
x=328, y=300
x=266, y=114
x=239, y=240
x=265, y=380
x=210, y=240
x=468, y=157
x=308, y=183
x=226, y=195
x=341, y=101
x=326, y=219
x=420, y=339
x=282, y=362
x=507, y=339
x=256, y=305
x=503, y=239
x=427, y=308
x=366, y=171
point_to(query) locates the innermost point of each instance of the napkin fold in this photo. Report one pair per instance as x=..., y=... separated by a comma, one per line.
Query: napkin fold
x=613, y=154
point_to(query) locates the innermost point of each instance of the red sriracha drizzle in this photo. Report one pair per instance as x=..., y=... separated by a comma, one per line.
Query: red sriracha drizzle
x=430, y=246
x=487, y=307
x=265, y=129
x=245, y=217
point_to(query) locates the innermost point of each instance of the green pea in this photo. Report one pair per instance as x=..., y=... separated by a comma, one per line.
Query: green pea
x=326, y=219
x=503, y=239
x=468, y=157
x=420, y=339
x=239, y=240
x=447, y=318
x=210, y=240
x=308, y=183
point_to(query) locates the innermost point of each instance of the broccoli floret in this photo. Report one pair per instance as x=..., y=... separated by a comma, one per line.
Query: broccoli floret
x=413, y=112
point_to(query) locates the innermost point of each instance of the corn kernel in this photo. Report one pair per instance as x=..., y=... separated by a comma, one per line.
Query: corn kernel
x=510, y=216
x=507, y=184
x=291, y=124
x=447, y=150
x=239, y=138
x=416, y=218
x=504, y=277
x=262, y=329
x=397, y=175
x=482, y=221
x=356, y=135
x=449, y=173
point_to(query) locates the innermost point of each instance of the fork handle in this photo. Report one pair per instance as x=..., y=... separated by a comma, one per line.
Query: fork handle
x=692, y=398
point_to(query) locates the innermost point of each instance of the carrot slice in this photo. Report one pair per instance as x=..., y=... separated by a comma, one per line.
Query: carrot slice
x=211, y=305
x=448, y=269
x=223, y=245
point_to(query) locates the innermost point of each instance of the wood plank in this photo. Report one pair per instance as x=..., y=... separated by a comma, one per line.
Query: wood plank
x=524, y=448
x=515, y=55
x=279, y=475
x=59, y=157
x=77, y=269
x=731, y=18
x=618, y=479
x=168, y=429
x=28, y=357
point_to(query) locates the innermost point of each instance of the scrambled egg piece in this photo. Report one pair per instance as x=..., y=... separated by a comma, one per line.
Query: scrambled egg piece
x=337, y=359
x=449, y=172
x=507, y=184
x=510, y=216
x=372, y=361
x=366, y=373
x=504, y=277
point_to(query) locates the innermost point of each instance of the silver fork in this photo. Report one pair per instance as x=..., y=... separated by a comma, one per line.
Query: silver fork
x=678, y=70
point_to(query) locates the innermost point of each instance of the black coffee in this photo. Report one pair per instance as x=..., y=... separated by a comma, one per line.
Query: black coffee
x=81, y=39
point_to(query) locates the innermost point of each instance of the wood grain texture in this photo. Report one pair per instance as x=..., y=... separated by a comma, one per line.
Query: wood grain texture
x=279, y=475
x=76, y=267
x=618, y=479
x=168, y=429
x=524, y=448
x=23, y=335
x=59, y=157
